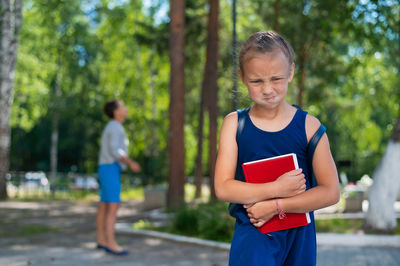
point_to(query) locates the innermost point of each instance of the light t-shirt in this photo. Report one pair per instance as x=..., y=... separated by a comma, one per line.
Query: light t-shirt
x=114, y=144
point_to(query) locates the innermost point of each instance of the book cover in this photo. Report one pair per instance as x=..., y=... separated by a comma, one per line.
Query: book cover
x=268, y=170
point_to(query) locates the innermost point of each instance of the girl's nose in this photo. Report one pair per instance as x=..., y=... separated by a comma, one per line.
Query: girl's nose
x=267, y=88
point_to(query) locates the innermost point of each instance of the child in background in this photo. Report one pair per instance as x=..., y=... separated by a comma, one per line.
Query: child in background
x=113, y=159
x=272, y=127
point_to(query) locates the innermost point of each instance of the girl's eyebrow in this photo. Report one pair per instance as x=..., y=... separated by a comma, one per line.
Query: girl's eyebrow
x=278, y=76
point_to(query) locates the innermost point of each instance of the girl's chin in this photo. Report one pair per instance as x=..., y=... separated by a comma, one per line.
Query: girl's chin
x=268, y=104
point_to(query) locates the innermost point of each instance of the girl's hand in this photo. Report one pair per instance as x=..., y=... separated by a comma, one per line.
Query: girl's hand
x=291, y=184
x=134, y=166
x=261, y=212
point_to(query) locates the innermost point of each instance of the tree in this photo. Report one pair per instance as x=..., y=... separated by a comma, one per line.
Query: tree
x=10, y=23
x=176, y=151
x=381, y=215
x=385, y=188
x=277, y=9
x=209, y=99
x=198, y=172
x=211, y=83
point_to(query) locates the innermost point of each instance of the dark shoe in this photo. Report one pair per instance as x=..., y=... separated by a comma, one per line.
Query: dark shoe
x=117, y=253
x=101, y=246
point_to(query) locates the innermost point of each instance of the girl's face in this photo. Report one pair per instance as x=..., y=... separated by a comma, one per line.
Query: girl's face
x=121, y=112
x=266, y=75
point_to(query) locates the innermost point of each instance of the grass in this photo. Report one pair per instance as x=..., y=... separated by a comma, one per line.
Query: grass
x=211, y=221
x=34, y=229
x=203, y=220
x=187, y=223
x=345, y=226
x=133, y=193
x=342, y=226
x=10, y=229
x=190, y=192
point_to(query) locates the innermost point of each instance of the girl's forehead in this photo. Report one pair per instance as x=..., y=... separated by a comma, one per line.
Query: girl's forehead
x=276, y=54
x=269, y=62
x=121, y=104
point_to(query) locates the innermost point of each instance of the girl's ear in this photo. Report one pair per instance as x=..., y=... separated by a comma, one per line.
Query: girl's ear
x=240, y=75
x=291, y=73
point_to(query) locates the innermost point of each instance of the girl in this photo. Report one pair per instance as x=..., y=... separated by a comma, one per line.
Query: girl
x=112, y=160
x=272, y=127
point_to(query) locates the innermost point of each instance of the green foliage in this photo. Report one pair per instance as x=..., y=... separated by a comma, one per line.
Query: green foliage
x=99, y=50
x=186, y=221
x=207, y=220
x=212, y=221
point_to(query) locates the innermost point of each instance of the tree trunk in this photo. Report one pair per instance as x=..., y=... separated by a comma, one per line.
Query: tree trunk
x=154, y=129
x=277, y=9
x=176, y=152
x=54, y=132
x=302, y=60
x=211, y=86
x=54, y=150
x=10, y=23
x=381, y=216
x=234, y=57
x=302, y=75
x=198, y=174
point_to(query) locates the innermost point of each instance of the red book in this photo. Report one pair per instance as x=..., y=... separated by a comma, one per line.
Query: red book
x=267, y=170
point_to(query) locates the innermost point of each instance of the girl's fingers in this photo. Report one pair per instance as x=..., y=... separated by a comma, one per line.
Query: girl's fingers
x=259, y=224
x=246, y=206
x=253, y=221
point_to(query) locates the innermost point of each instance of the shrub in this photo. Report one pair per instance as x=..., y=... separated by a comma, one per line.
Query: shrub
x=206, y=220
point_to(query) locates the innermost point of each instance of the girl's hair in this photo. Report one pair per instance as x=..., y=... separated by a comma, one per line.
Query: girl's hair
x=110, y=107
x=262, y=42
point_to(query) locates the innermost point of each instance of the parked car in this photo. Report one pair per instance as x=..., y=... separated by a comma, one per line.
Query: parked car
x=35, y=181
x=88, y=183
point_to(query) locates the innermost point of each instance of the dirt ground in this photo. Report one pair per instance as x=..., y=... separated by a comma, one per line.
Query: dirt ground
x=63, y=233
x=60, y=223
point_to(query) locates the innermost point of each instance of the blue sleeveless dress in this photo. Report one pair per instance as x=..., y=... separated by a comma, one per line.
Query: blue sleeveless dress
x=292, y=247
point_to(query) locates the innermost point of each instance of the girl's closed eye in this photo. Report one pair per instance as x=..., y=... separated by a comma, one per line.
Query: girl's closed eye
x=256, y=81
x=277, y=80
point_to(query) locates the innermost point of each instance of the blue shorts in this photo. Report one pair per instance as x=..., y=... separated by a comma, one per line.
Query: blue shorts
x=110, y=182
x=292, y=247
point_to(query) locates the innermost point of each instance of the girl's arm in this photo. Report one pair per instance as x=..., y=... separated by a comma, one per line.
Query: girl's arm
x=230, y=190
x=326, y=193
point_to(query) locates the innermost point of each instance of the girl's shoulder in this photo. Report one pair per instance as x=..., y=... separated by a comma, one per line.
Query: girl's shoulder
x=113, y=126
x=232, y=117
x=229, y=125
x=312, y=125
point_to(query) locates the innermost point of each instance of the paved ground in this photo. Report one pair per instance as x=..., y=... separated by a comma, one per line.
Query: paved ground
x=73, y=241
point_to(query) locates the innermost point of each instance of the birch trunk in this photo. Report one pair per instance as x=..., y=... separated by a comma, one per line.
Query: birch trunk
x=54, y=150
x=381, y=216
x=10, y=23
x=54, y=130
